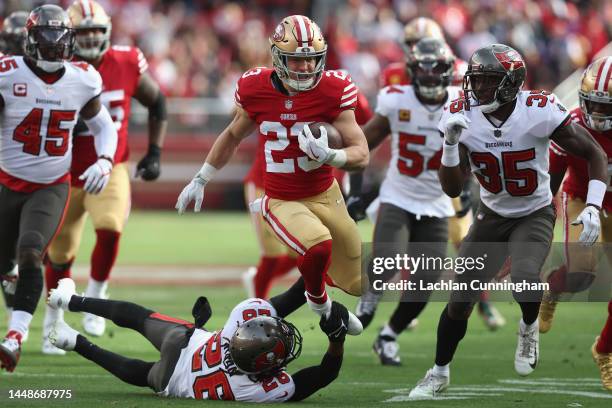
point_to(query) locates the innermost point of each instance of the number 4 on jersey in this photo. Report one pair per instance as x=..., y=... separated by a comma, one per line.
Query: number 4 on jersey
x=56, y=140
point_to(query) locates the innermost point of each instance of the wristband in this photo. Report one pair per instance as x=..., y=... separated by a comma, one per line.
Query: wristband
x=206, y=173
x=338, y=158
x=450, y=155
x=596, y=192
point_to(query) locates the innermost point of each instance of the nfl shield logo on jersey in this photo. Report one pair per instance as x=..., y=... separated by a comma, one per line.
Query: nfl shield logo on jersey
x=288, y=104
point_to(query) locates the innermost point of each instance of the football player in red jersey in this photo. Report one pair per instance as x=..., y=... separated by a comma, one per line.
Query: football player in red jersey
x=277, y=259
x=578, y=272
x=302, y=203
x=123, y=71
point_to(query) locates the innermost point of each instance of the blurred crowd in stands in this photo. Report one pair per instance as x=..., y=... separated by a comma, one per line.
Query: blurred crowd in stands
x=200, y=47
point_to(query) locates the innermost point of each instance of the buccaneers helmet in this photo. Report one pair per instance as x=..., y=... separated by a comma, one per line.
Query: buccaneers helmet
x=596, y=94
x=430, y=65
x=419, y=28
x=13, y=34
x=264, y=345
x=93, y=28
x=494, y=77
x=50, y=37
x=298, y=41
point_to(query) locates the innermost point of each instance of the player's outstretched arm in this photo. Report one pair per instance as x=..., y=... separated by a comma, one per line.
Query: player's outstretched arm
x=574, y=138
x=356, y=146
x=150, y=96
x=311, y=379
x=99, y=121
x=221, y=152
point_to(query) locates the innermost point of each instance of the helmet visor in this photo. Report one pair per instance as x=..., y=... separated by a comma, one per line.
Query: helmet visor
x=53, y=43
x=483, y=86
x=430, y=73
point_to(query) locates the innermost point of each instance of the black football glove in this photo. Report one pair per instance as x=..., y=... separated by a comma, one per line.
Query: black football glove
x=149, y=166
x=356, y=207
x=336, y=325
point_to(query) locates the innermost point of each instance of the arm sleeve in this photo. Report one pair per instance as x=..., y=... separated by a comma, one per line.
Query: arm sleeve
x=105, y=133
x=311, y=379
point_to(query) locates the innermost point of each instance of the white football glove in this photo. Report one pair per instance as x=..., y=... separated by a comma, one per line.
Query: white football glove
x=316, y=149
x=96, y=176
x=591, y=225
x=192, y=191
x=453, y=128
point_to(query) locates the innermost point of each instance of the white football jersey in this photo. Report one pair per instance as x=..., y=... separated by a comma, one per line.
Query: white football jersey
x=412, y=180
x=38, y=118
x=510, y=159
x=205, y=370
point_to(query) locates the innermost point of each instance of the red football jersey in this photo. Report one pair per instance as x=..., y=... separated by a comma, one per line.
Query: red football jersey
x=395, y=74
x=577, y=181
x=289, y=173
x=363, y=113
x=120, y=69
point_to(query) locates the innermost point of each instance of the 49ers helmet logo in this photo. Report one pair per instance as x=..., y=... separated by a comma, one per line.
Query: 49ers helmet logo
x=510, y=60
x=279, y=33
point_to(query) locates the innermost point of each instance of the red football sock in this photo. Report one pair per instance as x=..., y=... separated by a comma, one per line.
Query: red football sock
x=484, y=296
x=265, y=274
x=104, y=254
x=285, y=264
x=313, y=266
x=53, y=273
x=604, y=345
x=557, y=279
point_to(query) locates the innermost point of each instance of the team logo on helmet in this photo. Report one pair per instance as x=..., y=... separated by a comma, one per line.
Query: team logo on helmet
x=510, y=60
x=279, y=33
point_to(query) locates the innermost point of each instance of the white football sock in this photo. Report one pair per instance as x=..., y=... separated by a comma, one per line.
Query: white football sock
x=96, y=289
x=52, y=315
x=525, y=326
x=20, y=321
x=388, y=331
x=443, y=371
x=320, y=308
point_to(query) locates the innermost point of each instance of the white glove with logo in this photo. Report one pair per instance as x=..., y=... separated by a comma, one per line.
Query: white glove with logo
x=194, y=191
x=96, y=176
x=591, y=225
x=316, y=149
x=453, y=128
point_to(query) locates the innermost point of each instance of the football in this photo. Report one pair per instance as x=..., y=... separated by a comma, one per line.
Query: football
x=334, y=140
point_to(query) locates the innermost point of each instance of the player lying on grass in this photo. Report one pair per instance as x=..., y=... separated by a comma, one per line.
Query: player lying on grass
x=244, y=361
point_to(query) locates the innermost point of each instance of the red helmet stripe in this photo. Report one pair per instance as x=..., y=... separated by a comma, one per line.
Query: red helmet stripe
x=598, y=78
x=309, y=32
x=603, y=76
x=296, y=26
x=303, y=36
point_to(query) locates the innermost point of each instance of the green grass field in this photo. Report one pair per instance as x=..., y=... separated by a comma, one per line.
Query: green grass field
x=482, y=373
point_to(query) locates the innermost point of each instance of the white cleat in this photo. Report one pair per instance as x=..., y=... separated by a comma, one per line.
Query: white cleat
x=430, y=386
x=527, y=348
x=248, y=281
x=49, y=349
x=93, y=325
x=63, y=336
x=60, y=296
